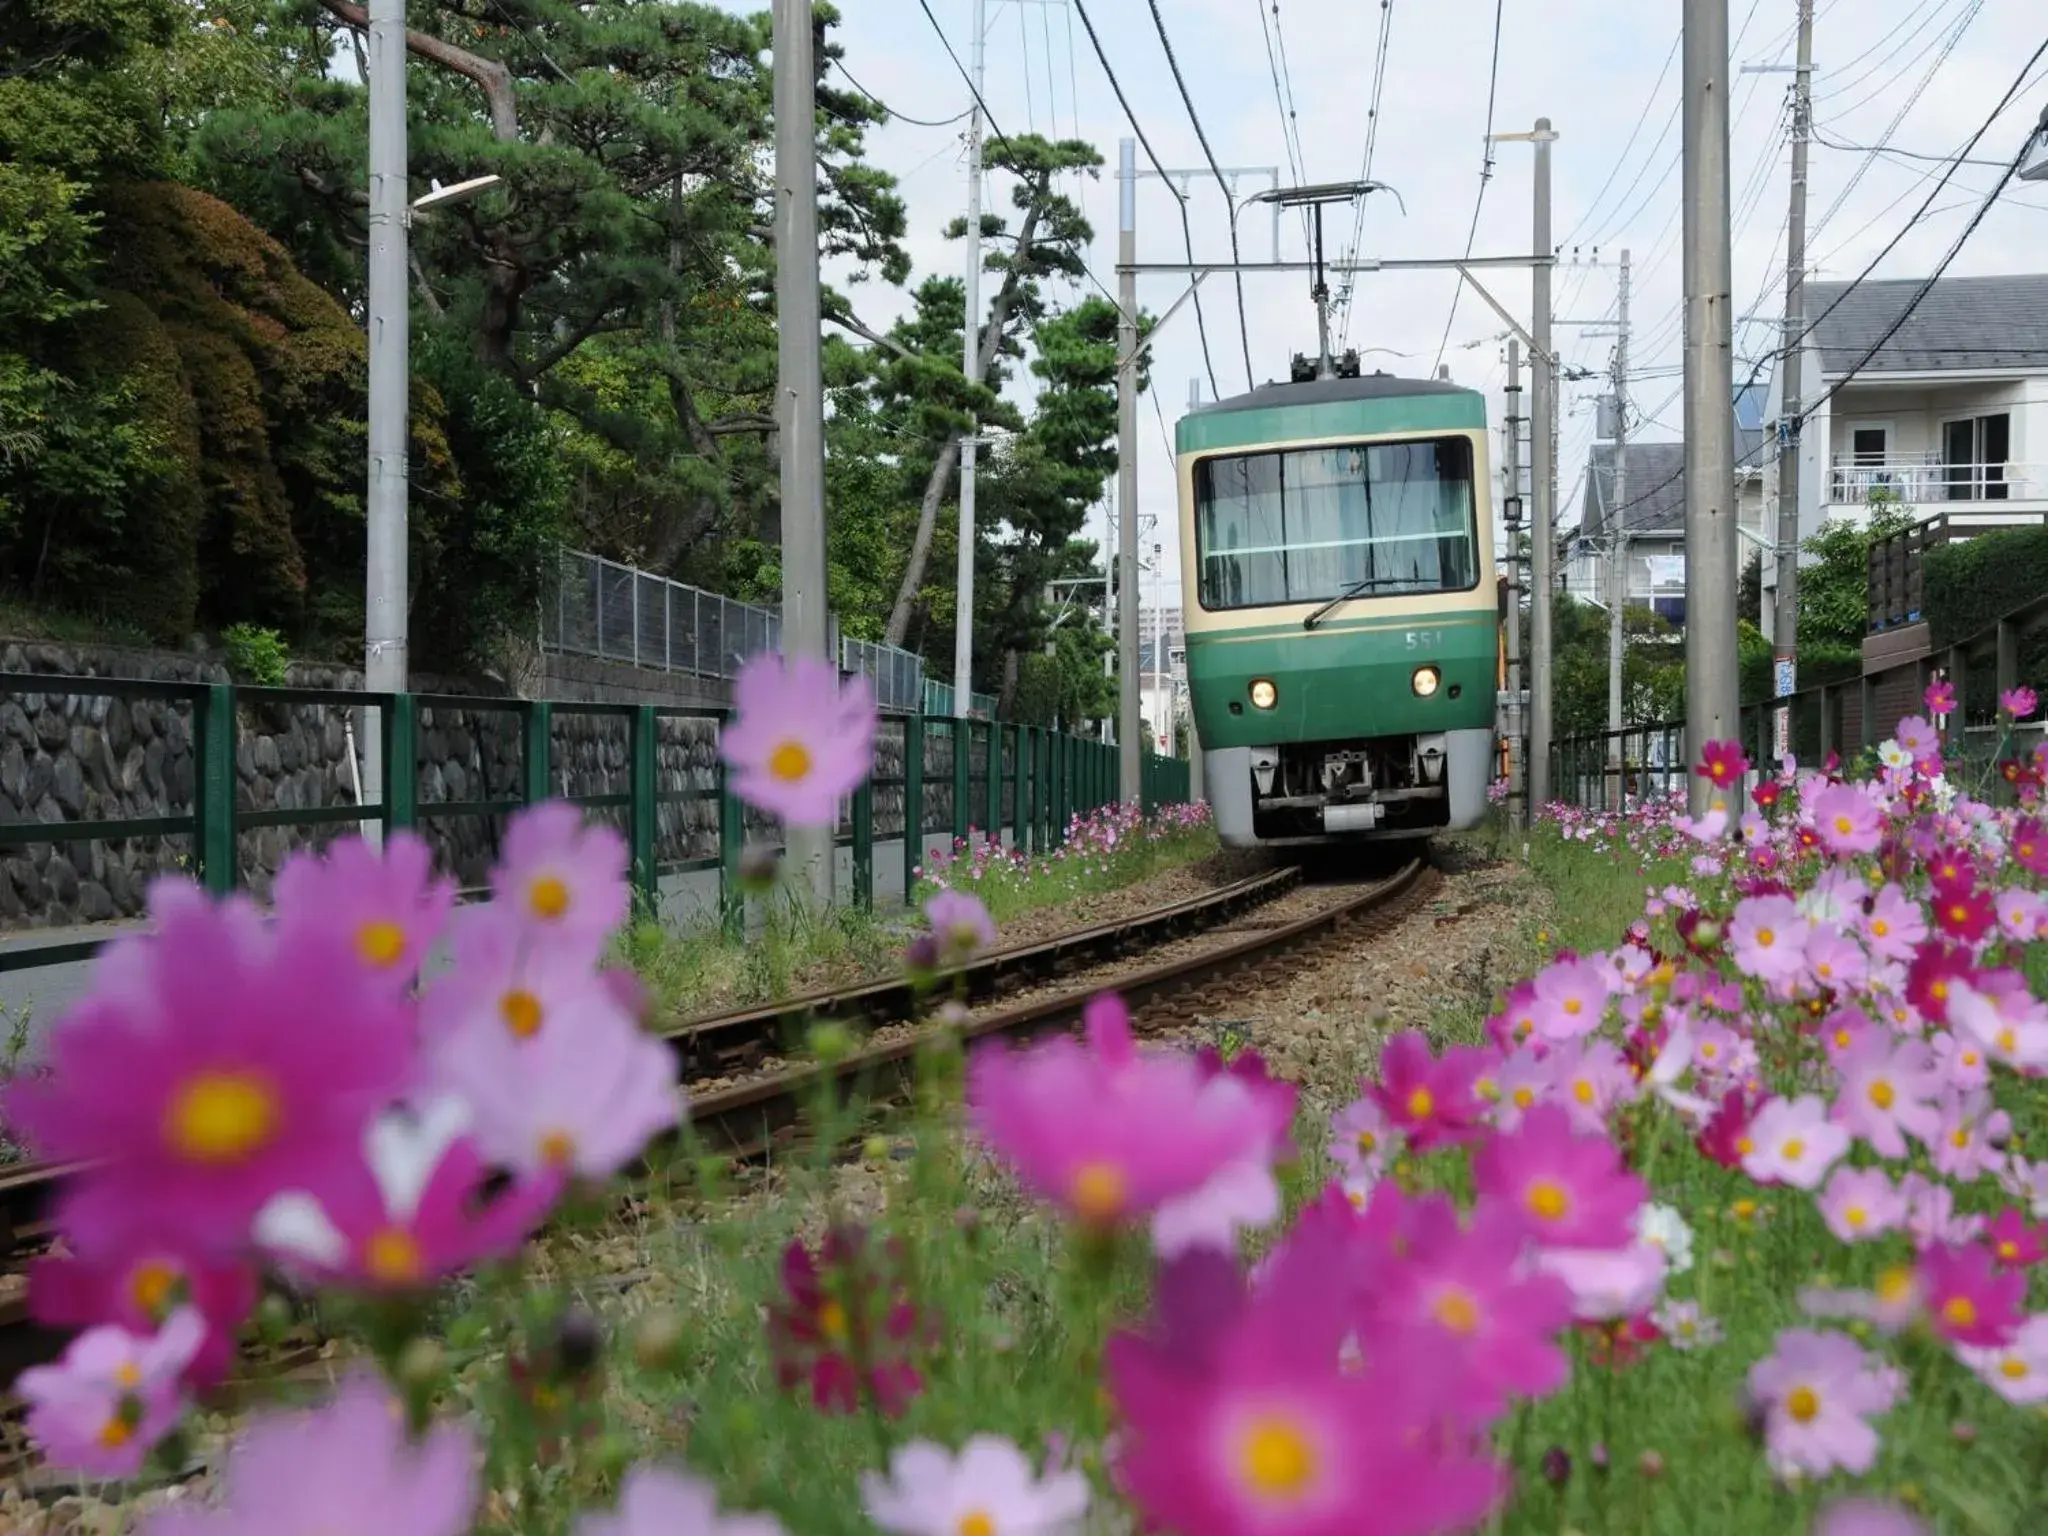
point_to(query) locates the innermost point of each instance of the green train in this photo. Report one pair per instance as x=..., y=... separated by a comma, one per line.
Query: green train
x=1341, y=609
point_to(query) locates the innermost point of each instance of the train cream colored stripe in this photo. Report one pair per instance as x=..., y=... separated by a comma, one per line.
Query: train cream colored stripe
x=1479, y=616
x=1396, y=611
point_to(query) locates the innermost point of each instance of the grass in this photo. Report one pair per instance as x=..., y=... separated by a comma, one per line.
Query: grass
x=23, y=620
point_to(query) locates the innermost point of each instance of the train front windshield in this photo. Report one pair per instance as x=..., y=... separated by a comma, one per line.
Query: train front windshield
x=1302, y=526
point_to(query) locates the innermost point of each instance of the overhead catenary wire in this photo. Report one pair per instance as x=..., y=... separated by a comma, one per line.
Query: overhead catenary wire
x=1186, y=231
x=901, y=117
x=1283, y=100
x=1244, y=333
x=1485, y=178
x=1372, y=139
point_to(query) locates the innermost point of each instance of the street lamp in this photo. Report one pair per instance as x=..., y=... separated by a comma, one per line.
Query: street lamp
x=2034, y=158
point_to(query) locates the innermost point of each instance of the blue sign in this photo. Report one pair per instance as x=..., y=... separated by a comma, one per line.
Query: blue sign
x=1787, y=675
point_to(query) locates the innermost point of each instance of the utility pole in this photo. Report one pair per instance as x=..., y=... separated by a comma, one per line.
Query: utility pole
x=799, y=385
x=1511, y=520
x=1130, y=763
x=1785, y=625
x=385, y=570
x=1710, y=668
x=963, y=615
x=1543, y=452
x=1617, y=543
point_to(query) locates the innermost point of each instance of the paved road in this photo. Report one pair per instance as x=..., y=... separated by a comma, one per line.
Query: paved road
x=46, y=991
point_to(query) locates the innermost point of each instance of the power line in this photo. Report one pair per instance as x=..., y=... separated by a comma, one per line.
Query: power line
x=1634, y=134
x=1485, y=176
x=1186, y=232
x=1899, y=154
x=901, y=117
x=1372, y=139
x=1290, y=130
x=1244, y=334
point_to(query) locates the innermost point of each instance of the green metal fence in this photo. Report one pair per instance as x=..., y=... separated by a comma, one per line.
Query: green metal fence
x=1028, y=781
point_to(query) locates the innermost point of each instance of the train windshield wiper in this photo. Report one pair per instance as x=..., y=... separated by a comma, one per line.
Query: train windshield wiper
x=1356, y=589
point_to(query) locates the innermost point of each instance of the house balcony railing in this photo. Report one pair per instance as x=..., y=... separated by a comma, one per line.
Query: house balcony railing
x=1919, y=482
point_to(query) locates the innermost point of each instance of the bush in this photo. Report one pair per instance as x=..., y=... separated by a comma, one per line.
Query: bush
x=257, y=655
x=1966, y=588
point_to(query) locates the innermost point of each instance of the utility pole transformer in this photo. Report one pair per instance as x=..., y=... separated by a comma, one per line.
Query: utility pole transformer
x=1785, y=624
x=799, y=385
x=385, y=571
x=1711, y=679
x=1617, y=544
x=1543, y=485
x=1130, y=761
x=963, y=615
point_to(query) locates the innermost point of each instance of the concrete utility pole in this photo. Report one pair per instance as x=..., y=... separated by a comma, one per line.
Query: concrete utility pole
x=1711, y=679
x=1511, y=520
x=799, y=385
x=963, y=616
x=1617, y=536
x=1130, y=761
x=1543, y=487
x=1785, y=625
x=385, y=570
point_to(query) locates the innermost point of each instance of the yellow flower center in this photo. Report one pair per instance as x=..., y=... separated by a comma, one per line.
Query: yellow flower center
x=1855, y=1216
x=790, y=761
x=128, y=1374
x=1959, y=1312
x=1367, y=1142
x=1276, y=1458
x=557, y=1149
x=380, y=943
x=1895, y=1284
x=1794, y=1150
x=976, y=1522
x=221, y=1117
x=1803, y=1403
x=1881, y=1094
x=1582, y=1091
x=1524, y=1097
x=2012, y=1369
x=549, y=897
x=1939, y=991
x=1879, y=927
x=1099, y=1191
x=1547, y=1200
x=1766, y=937
x=1743, y=1209
x=392, y=1257
x=1744, y=1145
x=1969, y=1058
x=115, y=1433
x=2008, y=1250
x=1710, y=1050
x=150, y=1285
x=832, y=1321
x=1456, y=1310
x=1844, y=825
x=1959, y=1137
x=1573, y=1006
x=520, y=1010
x=2007, y=1040
x=1421, y=1103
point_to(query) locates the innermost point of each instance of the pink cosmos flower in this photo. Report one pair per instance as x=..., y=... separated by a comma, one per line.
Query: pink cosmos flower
x=1896, y=924
x=243, y=1068
x=1969, y=1300
x=1241, y=1194
x=344, y=1466
x=1769, y=938
x=2011, y=1026
x=140, y=1285
x=1931, y=1213
x=1793, y=1142
x=1570, y=999
x=960, y=924
x=2015, y=1244
x=2021, y=914
x=1861, y=1203
x=103, y=1407
x=1430, y=1099
x=1108, y=1132
x=409, y=1212
x=1361, y=1140
x=1867, y=1517
x=2019, y=702
x=1918, y=739
x=504, y=983
x=1847, y=821
x=2016, y=1370
x=1608, y=1284
x=1685, y=1326
x=1940, y=697
x=1972, y=1133
x=1568, y=1190
x=1722, y=763
x=582, y=1102
x=657, y=1501
x=1887, y=1093
x=1834, y=961
x=1818, y=1391
x=990, y=1486
x=1589, y=1079
x=386, y=908
x=1525, y=1079
x=1241, y=1417
x=563, y=878
x=800, y=740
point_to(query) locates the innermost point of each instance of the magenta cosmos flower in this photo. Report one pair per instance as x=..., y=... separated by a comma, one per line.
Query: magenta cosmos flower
x=960, y=926
x=1969, y=1299
x=1103, y=1130
x=1240, y=1415
x=565, y=879
x=1818, y=1391
x=386, y=909
x=410, y=1211
x=140, y=1285
x=2019, y=702
x=847, y=1325
x=1431, y=1100
x=800, y=740
x=1847, y=820
x=113, y=1395
x=1722, y=763
x=657, y=1501
x=990, y=1487
x=1567, y=1190
x=346, y=1466
x=243, y=1069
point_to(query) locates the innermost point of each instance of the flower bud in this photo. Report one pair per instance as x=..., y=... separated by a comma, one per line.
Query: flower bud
x=580, y=1340
x=830, y=1041
x=875, y=1148
x=1651, y=1465
x=1557, y=1466
x=1963, y=1432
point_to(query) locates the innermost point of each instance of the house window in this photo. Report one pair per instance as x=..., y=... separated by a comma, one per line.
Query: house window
x=1671, y=610
x=1868, y=444
x=1973, y=455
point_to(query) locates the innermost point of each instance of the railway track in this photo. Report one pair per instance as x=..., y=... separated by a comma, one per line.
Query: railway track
x=1215, y=942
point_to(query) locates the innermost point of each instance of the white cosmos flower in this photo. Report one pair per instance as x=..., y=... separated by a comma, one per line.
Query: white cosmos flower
x=1892, y=755
x=1664, y=1228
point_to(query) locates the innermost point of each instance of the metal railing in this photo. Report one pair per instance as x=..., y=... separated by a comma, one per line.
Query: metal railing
x=898, y=676
x=617, y=613
x=938, y=700
x=1918, y=482
x=227, y=831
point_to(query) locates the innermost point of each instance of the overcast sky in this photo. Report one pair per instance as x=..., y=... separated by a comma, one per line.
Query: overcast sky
x=1606, y=72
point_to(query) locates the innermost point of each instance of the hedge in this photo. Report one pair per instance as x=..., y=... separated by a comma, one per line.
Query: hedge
x=1968, y=587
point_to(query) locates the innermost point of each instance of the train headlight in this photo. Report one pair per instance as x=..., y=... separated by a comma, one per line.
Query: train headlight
x=1264, y=694
x=1424, y=681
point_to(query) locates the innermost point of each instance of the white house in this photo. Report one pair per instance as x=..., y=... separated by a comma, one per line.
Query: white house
x=1948, y=414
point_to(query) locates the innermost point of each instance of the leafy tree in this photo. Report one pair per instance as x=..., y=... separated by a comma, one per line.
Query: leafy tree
x=1834, y=591
x=1749, y=590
